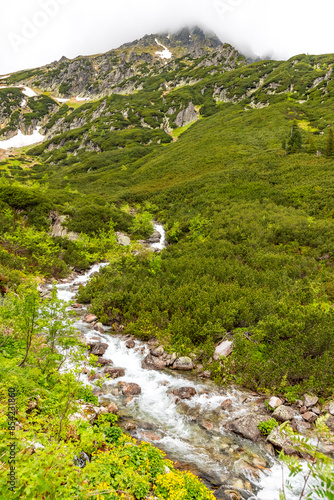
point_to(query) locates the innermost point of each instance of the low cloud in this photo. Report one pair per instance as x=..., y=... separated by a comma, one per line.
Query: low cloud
x=39, y=31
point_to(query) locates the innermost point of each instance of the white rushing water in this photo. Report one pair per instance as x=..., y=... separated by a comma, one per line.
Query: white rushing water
x=214, y=454
x=162, y=243
x=164, y=54
x=20, y=140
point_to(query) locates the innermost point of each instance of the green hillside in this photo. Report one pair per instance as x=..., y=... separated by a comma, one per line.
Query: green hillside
x=236, y=160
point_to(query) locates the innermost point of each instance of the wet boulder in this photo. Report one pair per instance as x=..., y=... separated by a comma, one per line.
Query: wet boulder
x=97, y=348
x=112, y=408
x=227, y=404
x=184, y=392
x=104, y=362
x=130, y=344
x=99, y=328
x=152, y=363
x=247, y=426
x=131, y=389
x=91, y=318
x=184, y=364
x=157, y=352
x=114, y=372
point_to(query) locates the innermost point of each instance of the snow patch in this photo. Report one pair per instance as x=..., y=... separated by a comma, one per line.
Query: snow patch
x=59, y=99
x=3, y=77
x=20, y=140
x=25, y=90
x=29, y=92
x=82, y=98
x=164, y=54
x=23, y=103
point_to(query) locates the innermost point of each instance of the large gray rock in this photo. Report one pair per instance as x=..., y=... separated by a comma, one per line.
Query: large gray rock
x=284, y=413
x=153, y=363
x=224, y=349
x=309, y=400
x=184, y=363
x=247, y=426
x=186, y=116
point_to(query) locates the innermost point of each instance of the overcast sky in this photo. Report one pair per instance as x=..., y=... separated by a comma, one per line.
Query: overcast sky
x=36, y=32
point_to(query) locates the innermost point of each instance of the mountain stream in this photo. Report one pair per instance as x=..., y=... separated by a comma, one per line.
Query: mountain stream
x=189, y=431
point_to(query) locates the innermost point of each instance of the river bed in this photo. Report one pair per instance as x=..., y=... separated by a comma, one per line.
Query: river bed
x=191, y=432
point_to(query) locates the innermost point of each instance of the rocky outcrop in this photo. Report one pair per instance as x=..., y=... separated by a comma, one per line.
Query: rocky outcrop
x=123, y=239
x=275, y=403
x=58, y=228
x=186, y=116
x=310, y=400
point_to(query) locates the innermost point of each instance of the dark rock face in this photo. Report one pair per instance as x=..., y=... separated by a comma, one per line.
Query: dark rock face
x=153, y=363
x=184, y=392
x=114, y=372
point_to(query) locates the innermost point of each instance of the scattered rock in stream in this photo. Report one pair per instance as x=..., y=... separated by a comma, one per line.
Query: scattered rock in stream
x=104, y=362
x=131, y=389
x=99, y=328
x=91, y=318
x=130, y=344
x=247, y=425
x=184, y=392
x=98, y=348
x=153, y=363
x=183, y=364
x=114, y=372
